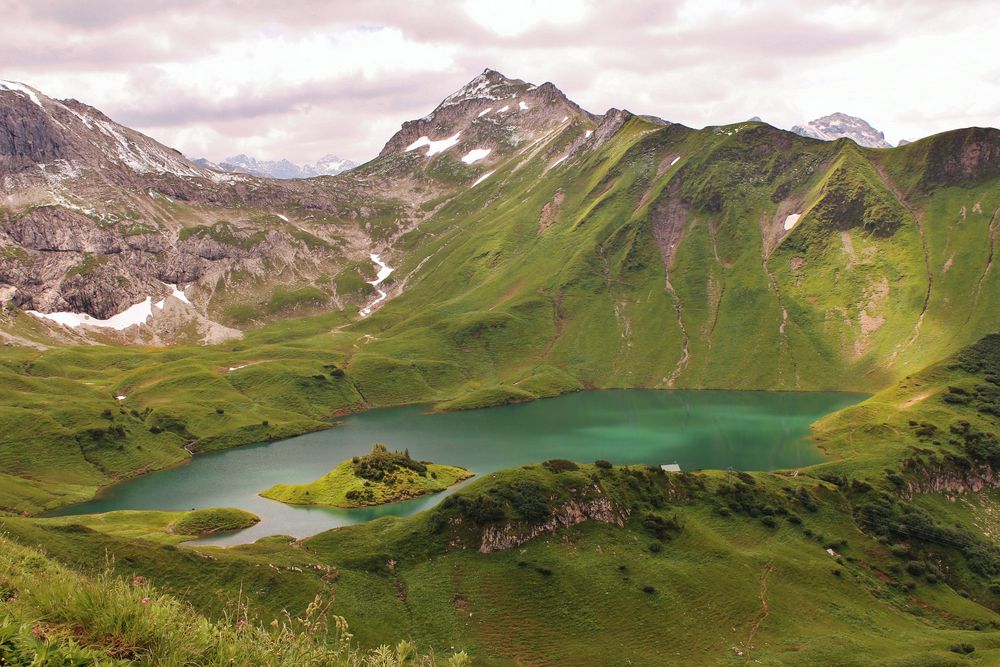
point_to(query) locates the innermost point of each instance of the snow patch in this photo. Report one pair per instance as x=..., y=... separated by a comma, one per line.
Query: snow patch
x=675, y=160
x=23, y=89
x=586, y=135
x=522, y=106
x=565, y=118
x=236, y=368
x=791, y=220
x=503, y=108
x=433, y=147
x=383, y=272
x=484, y=112
x=178, y=293
x=138, y=313
x=135, y=314
x=282, y=217
x=121, y=398
x=559, y=160
x=476, y=154
x=482, y=178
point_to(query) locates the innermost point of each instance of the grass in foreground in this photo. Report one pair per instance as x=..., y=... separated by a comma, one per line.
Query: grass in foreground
x=374, y=479
x=50, y=615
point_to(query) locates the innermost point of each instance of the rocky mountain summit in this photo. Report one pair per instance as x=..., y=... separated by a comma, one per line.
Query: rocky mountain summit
x=328, y=165
x=840, y=125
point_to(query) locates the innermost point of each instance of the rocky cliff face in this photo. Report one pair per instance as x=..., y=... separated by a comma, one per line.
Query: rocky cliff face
x=962, y=156
x=511, y=535
x=952, y=481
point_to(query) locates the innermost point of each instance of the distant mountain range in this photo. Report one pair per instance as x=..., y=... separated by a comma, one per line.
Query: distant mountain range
x=329, y=165
x=840, y=125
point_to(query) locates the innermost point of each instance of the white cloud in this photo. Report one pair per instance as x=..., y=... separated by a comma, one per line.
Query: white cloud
x=303, y=79
x=516, y=17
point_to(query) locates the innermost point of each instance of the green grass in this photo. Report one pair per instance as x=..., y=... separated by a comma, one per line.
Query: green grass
x=50, y=615
x=209, y=521
x=160, y=527
x=374, y=479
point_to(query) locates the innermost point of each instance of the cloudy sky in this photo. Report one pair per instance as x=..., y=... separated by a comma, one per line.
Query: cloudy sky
x=300, y=79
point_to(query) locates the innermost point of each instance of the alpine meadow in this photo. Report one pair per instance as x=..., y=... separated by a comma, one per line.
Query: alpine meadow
x=533, y=386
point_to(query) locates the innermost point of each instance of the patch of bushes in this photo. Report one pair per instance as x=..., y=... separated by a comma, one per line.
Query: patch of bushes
x=892, y=518
x=382, y=463
x=560, y=465
x=528, y=498
x=659, y=526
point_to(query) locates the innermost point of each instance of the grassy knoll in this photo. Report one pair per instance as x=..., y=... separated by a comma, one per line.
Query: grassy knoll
x=374, y=479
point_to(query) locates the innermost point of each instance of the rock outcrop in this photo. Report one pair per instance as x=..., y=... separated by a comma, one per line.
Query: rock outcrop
x=951, y=480
x=511, y=535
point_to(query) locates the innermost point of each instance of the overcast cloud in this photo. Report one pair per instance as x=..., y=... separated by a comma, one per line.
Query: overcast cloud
x=300, y=79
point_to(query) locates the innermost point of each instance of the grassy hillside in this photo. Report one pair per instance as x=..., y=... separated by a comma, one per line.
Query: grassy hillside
x=888, y=554
x=50, y=615
x=374, y=479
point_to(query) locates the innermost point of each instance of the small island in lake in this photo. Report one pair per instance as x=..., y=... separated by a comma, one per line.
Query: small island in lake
x=377, y=478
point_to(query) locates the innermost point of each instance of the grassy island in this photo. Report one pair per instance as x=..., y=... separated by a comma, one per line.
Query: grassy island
x=377, y=478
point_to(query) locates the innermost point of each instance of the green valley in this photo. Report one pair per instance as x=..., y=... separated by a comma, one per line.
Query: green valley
x=565, y=252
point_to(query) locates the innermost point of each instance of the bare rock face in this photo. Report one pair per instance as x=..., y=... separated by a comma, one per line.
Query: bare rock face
x=511, y=535
x=962, y=156
x=952, y=481
x=30, y=136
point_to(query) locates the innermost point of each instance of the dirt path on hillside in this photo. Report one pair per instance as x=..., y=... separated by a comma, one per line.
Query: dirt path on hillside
x=993, y=229
x=898, y=194
x=782, y=328
x=764, y=608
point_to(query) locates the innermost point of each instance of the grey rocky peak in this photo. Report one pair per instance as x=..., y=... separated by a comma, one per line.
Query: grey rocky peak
x=843, y=126
x=491, y=112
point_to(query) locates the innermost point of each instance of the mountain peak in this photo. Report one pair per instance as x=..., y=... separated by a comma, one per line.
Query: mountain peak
x=490, y=85
x=492, y=113
x=840, y=125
